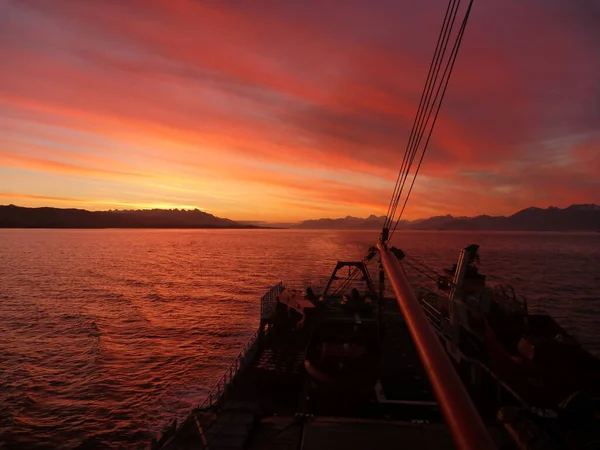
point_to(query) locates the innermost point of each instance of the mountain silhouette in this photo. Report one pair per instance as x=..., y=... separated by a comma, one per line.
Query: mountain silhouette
x=12, y=216
x=585, y=217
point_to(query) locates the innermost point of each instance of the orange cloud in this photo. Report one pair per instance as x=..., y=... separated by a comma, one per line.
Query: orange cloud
x=46, y=165
x=42, y=197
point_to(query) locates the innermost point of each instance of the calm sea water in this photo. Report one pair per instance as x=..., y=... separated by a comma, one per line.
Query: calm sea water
x=105, y=335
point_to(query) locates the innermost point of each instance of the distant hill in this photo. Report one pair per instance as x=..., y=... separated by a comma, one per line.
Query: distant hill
x=584, y=217
x=264, y=224
x=18, y=217
x=574, y=218
x=346, y=223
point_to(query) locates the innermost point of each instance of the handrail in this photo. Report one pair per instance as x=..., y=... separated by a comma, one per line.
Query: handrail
x=465, y=424
x=433, y=315
x=215, y=394
x=269, y=300
x=267, y=308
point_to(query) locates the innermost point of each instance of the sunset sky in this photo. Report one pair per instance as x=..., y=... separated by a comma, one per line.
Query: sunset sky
x=294, y=109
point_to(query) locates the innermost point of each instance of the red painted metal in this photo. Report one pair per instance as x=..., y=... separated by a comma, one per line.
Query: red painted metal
x=467, y=429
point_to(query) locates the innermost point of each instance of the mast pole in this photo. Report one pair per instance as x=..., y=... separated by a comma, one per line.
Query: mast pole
x=463, y=420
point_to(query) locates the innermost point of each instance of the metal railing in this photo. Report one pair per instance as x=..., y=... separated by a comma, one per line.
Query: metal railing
x=269, y=301
x=239, y=362
x=433, y=315
x=267, y=308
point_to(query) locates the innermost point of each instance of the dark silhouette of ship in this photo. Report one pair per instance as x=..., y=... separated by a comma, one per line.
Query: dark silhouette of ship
x=321, y=371
x=339, y=368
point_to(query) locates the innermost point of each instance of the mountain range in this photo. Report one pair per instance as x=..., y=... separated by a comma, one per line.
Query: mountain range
x=12, y=216
x=585, y=217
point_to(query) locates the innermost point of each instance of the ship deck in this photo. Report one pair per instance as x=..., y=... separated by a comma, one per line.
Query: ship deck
x=272, y=404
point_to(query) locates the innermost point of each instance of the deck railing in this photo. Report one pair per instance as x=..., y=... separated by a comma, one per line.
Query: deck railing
x=239, y=362
x=269, y=301
x=267, y=309
x=432, y=313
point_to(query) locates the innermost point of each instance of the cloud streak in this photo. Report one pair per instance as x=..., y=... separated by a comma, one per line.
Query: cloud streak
x=294, y=111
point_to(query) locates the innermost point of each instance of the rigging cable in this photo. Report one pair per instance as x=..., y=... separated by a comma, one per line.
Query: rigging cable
x=425, y=113
x=388, y=217
x=421, y=271
x=427, y=105
x=445, y=80
x=422, y=264
x=447, y=25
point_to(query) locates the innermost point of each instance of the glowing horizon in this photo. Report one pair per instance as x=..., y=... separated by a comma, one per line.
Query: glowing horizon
x=284, y=112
